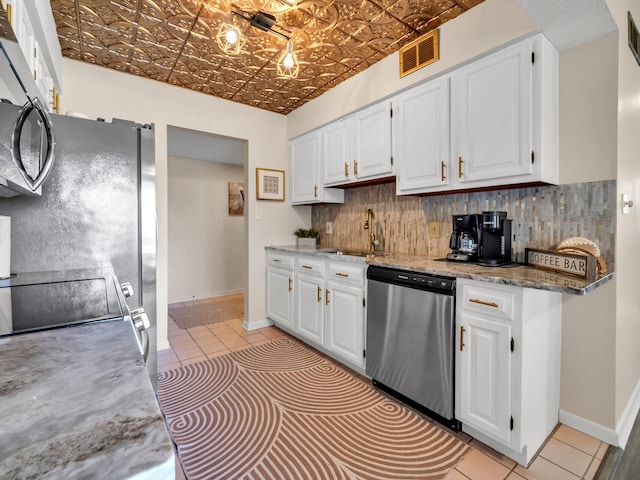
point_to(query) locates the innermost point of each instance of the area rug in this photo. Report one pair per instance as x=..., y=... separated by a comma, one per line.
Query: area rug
x=203, y=312
x=281, y=411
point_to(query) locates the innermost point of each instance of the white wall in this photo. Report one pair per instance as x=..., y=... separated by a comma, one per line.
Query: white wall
x=628, y=226
x=106, y=93
x=206, y=244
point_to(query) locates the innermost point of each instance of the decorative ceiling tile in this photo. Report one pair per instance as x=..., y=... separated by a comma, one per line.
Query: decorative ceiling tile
x=174, y=41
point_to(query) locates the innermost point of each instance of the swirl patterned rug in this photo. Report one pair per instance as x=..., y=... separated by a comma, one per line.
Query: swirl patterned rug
x=281, y=411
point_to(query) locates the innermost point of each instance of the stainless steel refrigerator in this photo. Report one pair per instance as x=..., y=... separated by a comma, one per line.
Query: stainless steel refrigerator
x=97, y=207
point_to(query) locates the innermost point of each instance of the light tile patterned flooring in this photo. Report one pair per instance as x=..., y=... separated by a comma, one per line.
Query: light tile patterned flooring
x=568, y=455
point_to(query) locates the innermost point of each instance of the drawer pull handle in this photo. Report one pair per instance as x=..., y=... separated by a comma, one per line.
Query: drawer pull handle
x=326, y=297
x=290, y=285
x=481, y=302
x=276, y=260
x=319, y=294
x=307, y=266
x=342, y=274
x=462, y=330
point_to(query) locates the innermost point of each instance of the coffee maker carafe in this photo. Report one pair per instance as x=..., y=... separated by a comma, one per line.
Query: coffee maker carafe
x=465, y=238
x=495, y=244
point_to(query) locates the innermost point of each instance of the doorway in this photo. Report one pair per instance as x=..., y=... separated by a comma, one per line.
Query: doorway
x=206, y=224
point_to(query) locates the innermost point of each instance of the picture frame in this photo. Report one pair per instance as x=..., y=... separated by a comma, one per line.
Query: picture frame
x=269, y=184
x=236, y=198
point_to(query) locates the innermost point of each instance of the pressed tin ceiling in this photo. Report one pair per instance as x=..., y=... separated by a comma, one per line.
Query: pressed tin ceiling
x=173, y=41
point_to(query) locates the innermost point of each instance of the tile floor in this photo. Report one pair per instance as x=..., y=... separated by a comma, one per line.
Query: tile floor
x=568, y=455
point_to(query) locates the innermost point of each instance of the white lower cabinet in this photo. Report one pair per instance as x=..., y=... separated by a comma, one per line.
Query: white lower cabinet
x=327, y=304
x=345, y=313
x=508, y=365
x=280, y=289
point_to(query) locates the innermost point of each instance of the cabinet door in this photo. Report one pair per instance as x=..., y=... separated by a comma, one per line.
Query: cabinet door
x=309, y=299
x=421, y=137
x=484, y=373
x=345, y=322
x=280, y=296
x=305, y=155
x=336, y=152
x=372, y=141
x=492, y=115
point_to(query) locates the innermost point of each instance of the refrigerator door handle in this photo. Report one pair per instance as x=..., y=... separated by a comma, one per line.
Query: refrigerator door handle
x=141, y=322
x=16, y=156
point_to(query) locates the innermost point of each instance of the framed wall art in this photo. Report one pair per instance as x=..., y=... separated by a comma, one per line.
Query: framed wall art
x=269, y=184
x=236, y=198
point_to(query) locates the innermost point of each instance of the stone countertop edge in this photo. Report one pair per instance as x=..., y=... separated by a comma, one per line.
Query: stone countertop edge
x=520, y=275
x=77, y=403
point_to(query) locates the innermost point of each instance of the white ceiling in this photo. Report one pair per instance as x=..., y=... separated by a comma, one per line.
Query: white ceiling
x=197, y=145
x=566, y=23
x=569, y=23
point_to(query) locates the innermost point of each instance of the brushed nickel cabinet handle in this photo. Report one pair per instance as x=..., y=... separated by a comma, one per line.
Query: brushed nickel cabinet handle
x=462, y=330
x=290, y=285
x=481, y=302
x=315, y=191
x=460, y=162
x=276, y=260
x=319, y=294
x=442, y=166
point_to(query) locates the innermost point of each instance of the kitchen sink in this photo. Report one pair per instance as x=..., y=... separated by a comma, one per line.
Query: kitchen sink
x=353, y=253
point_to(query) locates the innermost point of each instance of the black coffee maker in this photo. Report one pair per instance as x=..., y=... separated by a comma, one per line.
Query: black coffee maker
x=465, y=238
x=495, y=243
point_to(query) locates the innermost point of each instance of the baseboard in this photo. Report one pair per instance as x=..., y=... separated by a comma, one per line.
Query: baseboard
x=255, y=324
x=628, y=417
x=163, y=346
x=200, y=296
x=589, y=427
x=617, y=437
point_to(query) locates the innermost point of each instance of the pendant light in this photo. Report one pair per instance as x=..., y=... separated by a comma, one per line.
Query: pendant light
x=288, y=63
x=230, y=39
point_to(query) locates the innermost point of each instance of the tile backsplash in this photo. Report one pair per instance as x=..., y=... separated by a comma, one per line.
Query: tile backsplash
x=542, y=217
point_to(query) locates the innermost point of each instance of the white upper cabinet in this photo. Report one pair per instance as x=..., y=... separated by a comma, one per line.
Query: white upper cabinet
x=500, y=114
x=36, y=56
x=358, y=148
x=505, y=117
x=336, y=144
x=372, y=142
x=421, y=137
x=305, y=187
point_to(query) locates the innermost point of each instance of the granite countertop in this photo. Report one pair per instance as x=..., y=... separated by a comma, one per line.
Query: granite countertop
x=514, y=274
x=77, y=403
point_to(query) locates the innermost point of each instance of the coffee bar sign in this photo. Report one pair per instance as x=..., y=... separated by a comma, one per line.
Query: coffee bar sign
x=580, y=265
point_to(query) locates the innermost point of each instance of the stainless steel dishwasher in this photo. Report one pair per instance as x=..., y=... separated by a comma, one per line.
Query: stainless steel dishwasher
x=410, y=339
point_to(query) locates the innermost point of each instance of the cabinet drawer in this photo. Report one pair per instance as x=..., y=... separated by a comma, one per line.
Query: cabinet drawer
x=309, y=265
x=498, y=302
x=346, y=273
x=280, y=260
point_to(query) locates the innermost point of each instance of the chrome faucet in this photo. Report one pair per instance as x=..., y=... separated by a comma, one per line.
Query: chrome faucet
x=368, y=225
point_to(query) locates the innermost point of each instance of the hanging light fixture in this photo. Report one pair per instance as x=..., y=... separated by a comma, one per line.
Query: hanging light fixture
x=230, y=39
x=288, y=63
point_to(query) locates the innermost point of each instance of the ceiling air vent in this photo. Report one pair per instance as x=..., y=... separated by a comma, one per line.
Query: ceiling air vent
x=419, y=53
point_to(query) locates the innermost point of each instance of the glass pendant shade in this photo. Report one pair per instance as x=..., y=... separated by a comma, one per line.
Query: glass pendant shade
x=230, y=39
x=288, y=63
